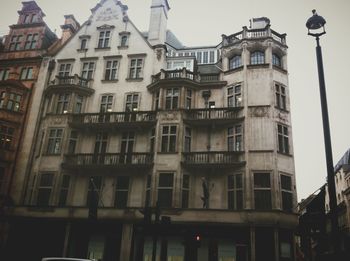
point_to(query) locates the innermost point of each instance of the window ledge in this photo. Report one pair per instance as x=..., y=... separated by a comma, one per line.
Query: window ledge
x=256, y=66
x=167, y=153
x=237, y=69
x=82, y=50
x=41, y=208
x=278, y=68
x=134, y=79
x=102, y=48
x=281, y=109
x=285, y=154
x=123, y=47
x=109, y=81
x=51, y=154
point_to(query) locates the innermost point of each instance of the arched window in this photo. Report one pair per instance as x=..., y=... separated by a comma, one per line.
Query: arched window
x=235, y=62
x=257, y=57
x=276, y=60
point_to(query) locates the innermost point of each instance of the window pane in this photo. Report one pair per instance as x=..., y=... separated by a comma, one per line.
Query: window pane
x=262, y=180
x=165, y=180
x=262, y=199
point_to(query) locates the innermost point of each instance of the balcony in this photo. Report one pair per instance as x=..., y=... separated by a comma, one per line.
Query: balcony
x=185, y=77
x=113, y=120
x=254, y=34
x=70, y=83
x=108, y=161
x=214, y=159
x=213, y=116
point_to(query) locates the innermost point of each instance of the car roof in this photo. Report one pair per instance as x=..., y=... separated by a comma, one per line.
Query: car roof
x=63, y=259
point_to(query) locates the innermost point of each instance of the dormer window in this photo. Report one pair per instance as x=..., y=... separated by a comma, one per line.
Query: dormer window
x=34, y=18
x=124, y=41
x=26, y=19
x=31, y=41
x=84, y=40
x=15, y=43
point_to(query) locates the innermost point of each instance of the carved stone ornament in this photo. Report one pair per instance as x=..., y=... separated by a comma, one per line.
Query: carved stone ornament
x=259, y=111
x=169, y=116
x=107, y=15
x=57, y=120
x=282, y=116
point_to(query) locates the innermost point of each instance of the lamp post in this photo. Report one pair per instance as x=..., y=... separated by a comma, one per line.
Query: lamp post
x=315, y=25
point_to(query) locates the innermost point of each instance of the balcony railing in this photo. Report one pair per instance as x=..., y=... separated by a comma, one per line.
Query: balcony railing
x=108, y=160
x=213, y=115
x=71, y=82
x=220, y=159
x=126, y=119
x=253, y=34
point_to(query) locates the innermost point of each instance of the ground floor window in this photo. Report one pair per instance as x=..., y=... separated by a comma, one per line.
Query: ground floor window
x=96, y=247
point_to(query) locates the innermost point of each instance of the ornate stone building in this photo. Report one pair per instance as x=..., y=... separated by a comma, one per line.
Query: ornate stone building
x=141, y=121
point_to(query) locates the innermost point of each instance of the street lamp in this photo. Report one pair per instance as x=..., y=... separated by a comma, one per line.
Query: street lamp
x=316, y=28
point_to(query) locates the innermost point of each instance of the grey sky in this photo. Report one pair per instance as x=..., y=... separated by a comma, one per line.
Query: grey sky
x=201, y=22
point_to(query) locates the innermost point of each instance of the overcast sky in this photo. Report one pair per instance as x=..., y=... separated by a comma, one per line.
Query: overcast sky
x=201, y=22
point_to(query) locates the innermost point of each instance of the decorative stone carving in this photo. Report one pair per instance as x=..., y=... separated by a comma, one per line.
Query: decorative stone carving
x=259, y=111
x=169, y=116
x=282, y=117
x=159, y=54
x=107, y=15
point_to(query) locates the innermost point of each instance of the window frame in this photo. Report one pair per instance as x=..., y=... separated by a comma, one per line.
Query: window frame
x=233, y=63
x=283, y=139
x=87, y=70
x=164, y=188
x=234, y=96
x=136, y=68
x=277, y=60
x=168, y=140
x=106, y=106
x=257, y=57
x=4, y=74
x=281, y=96
x=53, y=140
x=64, y=190
x=104, y=39
x=187, y=139
x=286, y=191
x=15, y=43
x=233, y=202
x=235, y=138
x=64, y=69
x=26, y=73
x=7, y=134
x=172, y=98
x=185, y=191
x=62, y=103
x=122, y=190
x=262, y=188
x=46, y=200
x=111, y=70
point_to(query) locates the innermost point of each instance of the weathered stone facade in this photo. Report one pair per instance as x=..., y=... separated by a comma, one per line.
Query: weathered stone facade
x=204, y=133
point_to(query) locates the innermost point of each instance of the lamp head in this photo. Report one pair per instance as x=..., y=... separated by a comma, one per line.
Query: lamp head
x=315, y=25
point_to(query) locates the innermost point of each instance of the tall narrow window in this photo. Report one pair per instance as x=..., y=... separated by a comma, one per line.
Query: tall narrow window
x=111, y=70
x=283, y=139
x=95, y=186
x=106, y=103
x=124, y=41
x=64, y=189
x=185, y=191
x=15, y=43
x=148, y=191
x=34, y=18
x=188, y=134
x=78, y=105
x=62, y=103
x=44, y=189
x=72, y=144
x=168, y=139
x=101, y=143
x=156, y=100
x=205, y=57
x=103, y=40
x=165, y=189
x=83, y=44
x=122, y=192
x=172, y=99
x=234, y=96
x=257, y=57
x=235, y=192
x=26, y=19
x=127, y=147
x=6, y=137
x=280, y=96
x=212, y=57
x=54, y=141
x=88, y=70
x=188, y=104
x=26, y=73
x=235, y=62
x=152, y=139
x=4, y=74
x=199, y=57
x=135, y=71
x=276, y=60
x=287, y=193
x=2, y=99
x=234, y=138
x=262, y=191
x=64, y=69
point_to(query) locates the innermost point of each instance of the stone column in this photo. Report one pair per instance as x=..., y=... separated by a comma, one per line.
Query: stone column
x=126, y=241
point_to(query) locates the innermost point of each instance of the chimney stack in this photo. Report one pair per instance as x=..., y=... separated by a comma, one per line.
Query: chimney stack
x=158, y=22
x=69, y=28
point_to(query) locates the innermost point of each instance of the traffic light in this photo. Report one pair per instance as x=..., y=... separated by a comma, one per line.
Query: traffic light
x=197, y=240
